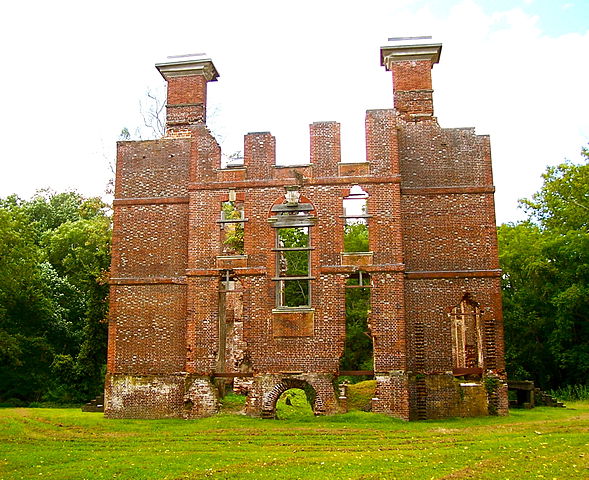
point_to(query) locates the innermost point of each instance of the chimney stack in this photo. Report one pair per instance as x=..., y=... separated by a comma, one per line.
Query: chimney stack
x=187, y=77
x=411, y=64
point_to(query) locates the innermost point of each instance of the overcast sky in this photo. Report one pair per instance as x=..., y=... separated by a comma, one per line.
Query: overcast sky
x=73, y=74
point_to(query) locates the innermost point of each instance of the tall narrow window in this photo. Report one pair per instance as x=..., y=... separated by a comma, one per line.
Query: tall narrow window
x=292, y=223
x=293, y=266
x=465, y=321
x=358, y=349
x=232, y=228
x=356, y=220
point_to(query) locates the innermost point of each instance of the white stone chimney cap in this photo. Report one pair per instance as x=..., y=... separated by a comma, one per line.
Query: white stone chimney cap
x=409, y=48
x=416, y=40
x=189, y=64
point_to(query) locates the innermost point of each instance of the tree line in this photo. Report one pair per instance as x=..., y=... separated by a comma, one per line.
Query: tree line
x=545, y=262
x=55, y=256
x=54, y=259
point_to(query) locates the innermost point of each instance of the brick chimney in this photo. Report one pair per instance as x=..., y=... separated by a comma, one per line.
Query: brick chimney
x=187, y=77
x=411, y=64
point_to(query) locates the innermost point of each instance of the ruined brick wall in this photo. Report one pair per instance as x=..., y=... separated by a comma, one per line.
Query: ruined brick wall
x=450, y=250
x=147, y=374
x=177, y=320
x=148, y=299
x=148, y=293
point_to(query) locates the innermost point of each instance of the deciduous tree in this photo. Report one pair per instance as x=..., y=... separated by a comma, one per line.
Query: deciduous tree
x=54, y=254
x=545, y=261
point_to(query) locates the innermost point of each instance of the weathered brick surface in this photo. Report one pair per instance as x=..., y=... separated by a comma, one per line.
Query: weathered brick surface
x=174, y=325
x=450, y=397
x=155, y=246
x=412, y=88
x=159, y=396
x=325, y=147
x=449, y=232
x=187, y=90
x=259, y=154
x=443, y=157
x=382, y=151
x=143, y=396
x=149, y=322
x=428, y=303
x=392, y=394
x=152, y=168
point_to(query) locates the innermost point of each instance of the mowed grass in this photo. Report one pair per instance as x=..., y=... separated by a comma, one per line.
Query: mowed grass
x=547, y=443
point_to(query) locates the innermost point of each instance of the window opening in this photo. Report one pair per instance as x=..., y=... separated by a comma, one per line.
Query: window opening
x=232, y=228
x=232, y=353
x=356, y=220
x=292, y=223
x=465, y=321
x=293, y=262
x=358, y=349
x=226, y=284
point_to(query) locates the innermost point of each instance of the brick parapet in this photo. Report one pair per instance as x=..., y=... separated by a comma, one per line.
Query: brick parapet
x=152, y=168
x=205, y=155
x=434, y=157
x=259, y=154
x=382, y=152
x=325, y=148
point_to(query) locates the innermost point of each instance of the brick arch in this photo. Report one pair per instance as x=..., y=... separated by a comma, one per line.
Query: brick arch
x=457, y=297
x=273, y=394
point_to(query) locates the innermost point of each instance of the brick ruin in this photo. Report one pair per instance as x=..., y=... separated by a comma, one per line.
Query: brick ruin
x=241, y=271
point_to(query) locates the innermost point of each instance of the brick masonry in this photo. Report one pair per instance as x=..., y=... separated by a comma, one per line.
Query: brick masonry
x=184, y=311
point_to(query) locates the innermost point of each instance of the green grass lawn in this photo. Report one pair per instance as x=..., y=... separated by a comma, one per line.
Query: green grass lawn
x=547, y=443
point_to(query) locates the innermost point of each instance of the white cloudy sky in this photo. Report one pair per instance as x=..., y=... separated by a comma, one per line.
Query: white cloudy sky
x=73, y=74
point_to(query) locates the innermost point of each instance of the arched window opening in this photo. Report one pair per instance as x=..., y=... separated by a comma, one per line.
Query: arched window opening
x=356, y=220
x=465, y=319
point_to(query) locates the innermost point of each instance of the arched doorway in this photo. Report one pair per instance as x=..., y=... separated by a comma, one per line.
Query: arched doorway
x=271, y=399
x=293, y=403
